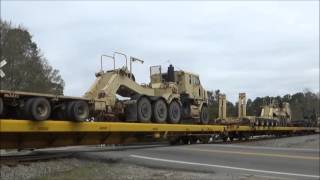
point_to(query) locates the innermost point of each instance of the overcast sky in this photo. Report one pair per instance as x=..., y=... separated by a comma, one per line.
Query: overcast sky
x=261, y=48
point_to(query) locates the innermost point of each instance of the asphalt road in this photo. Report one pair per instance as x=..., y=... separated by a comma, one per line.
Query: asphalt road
x=221, y=160
x=226, y=161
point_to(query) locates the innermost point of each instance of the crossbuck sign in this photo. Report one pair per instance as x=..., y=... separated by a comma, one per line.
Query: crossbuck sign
x=2, y=64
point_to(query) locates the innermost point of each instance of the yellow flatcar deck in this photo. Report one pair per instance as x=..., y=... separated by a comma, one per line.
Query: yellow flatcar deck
x=68, y=126
x=23, y=126
x=34, y=134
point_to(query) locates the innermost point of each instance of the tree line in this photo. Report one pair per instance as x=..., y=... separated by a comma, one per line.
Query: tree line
x=304, y=105
x=27, y=69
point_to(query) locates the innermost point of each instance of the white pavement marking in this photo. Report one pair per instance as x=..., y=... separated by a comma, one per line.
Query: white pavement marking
x=266, y=148
x=267, y=177
x=252, y=153
x=225, y=167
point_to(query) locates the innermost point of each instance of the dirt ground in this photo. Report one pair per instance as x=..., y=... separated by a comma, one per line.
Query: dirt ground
x=78, y=169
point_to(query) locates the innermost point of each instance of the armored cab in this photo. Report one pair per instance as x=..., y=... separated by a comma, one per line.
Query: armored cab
x=193, y=98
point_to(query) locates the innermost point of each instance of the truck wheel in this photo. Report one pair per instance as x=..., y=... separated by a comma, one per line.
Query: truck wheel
x=144, y=110
x=174, y=113
x=78, y=110
x=39, y=108
x=225, y=138
x=27, y=109
x=160, y=111
x=204, y=115
x=1, y=106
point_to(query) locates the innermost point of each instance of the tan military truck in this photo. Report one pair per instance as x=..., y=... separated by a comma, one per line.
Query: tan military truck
x=169, y=96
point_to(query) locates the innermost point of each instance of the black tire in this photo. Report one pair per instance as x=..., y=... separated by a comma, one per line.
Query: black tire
x=160, y=111
x=144, y=110
x=225, y=138
x=174, y=112
x=204, y=115
x=231, y=138
x=68, y=112
x=78, y=111
x=27, y=108
x=39, y=108
x=186, y=110
x=1, y=106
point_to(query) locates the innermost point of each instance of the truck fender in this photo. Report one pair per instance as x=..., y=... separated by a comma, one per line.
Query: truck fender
x=174, y=97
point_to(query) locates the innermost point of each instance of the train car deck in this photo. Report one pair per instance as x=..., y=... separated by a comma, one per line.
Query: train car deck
x=35, y=134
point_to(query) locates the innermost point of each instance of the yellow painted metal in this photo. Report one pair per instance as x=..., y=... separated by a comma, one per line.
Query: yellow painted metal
x=10, y=126
x=34, y=134
x=248, y=128
x=285, y=128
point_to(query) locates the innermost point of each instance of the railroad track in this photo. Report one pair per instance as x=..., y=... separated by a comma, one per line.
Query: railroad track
x=13, y=160
x=220, y=140
x=254, y=139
